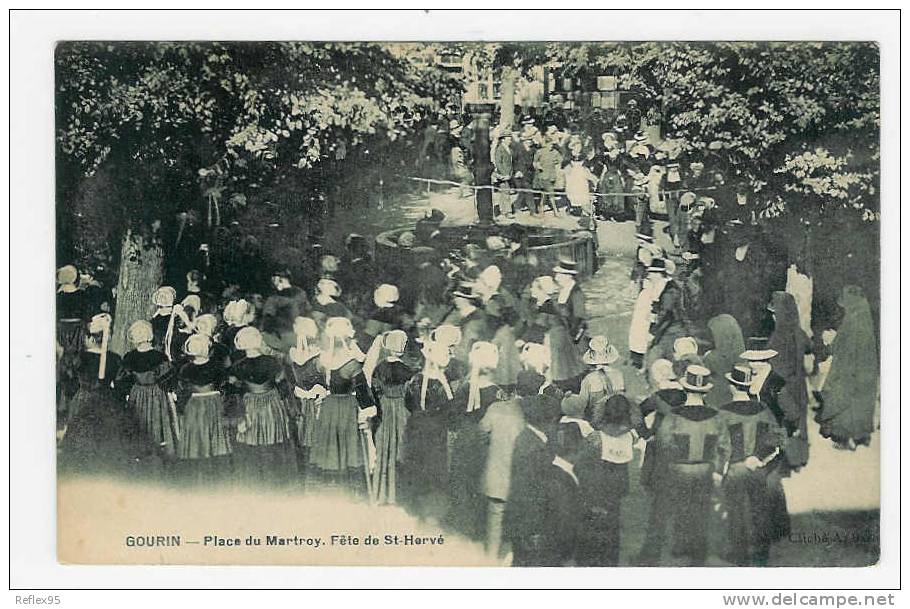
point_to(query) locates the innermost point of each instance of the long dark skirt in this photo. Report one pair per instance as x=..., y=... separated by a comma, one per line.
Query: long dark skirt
x=202, y=434
x=265, y=419
x=70, y=335
x=266, y=465
x=565, y=359
x=102, y=437
x=467, y=501
x=306, y=423
x=264, y=452
x=336, y=442
x=424, y=466
x=152, y=409
x=389, y=445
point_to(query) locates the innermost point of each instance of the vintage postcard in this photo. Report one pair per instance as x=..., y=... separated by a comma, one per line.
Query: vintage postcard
x=486, y=304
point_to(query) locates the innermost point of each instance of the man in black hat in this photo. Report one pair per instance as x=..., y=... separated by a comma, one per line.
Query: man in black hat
x=692, y=446
x=755, y=440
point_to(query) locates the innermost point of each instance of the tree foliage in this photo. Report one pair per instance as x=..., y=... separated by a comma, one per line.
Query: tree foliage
x=798, y=120
x=214, y=119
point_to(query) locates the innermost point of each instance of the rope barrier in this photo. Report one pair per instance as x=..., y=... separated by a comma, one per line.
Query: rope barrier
x=494, y=188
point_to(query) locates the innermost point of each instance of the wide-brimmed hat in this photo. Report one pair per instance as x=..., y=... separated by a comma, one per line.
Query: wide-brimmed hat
x=757, y=350
x=611, y=142
x=566, y=267
x=661, y=371
x=600, y=352
x=529, y=132
x=640, y=179
x=696, y=379
x=740, y=375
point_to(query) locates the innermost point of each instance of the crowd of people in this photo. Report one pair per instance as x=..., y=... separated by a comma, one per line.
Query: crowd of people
x=466, y=385
x=629, y=172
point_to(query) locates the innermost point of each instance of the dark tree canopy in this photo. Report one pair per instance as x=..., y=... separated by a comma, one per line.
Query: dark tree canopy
x=174, y=124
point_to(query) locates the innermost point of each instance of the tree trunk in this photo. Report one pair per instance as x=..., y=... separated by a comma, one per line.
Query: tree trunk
x=141, y=270
x=507, y=103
